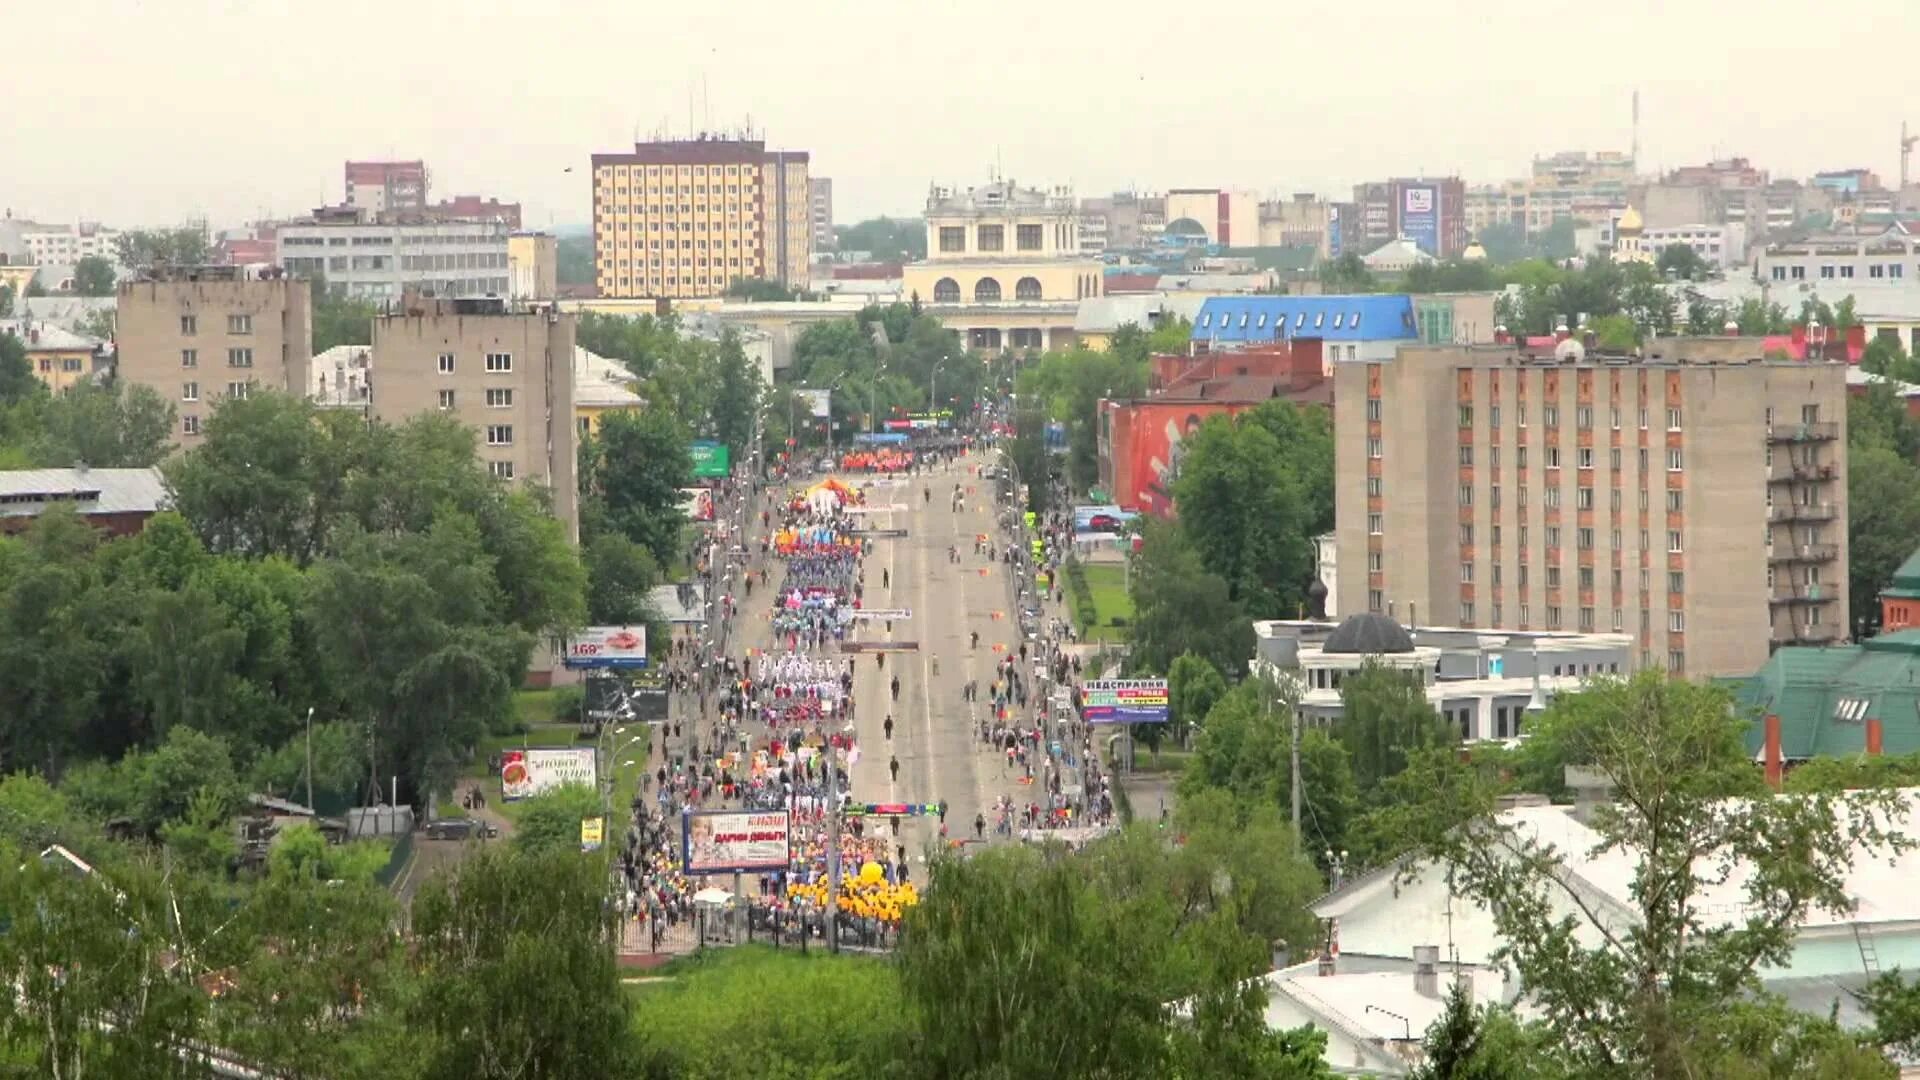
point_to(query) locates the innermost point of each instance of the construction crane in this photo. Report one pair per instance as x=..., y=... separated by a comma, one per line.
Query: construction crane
x=1906, y=151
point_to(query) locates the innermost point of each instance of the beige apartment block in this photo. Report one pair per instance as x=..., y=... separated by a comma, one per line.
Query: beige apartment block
x=682, y=219
x=506, y=374
x=1694, y=498
x=197, y=334
x=533, y=266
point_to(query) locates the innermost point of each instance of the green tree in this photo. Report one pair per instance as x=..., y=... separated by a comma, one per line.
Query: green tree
x=1347, y=274
x=1069, y=386
x=515, y=976
x=737, y=397
x=6, y=301
x=1757, y=318
x=884, y=239
x=1681, y=261
x=116, y=426
x=1181, y=607
x=1385, y=717
x=549, y=823
x=1659, y=990
x=93, y=276
x=139, y=248
x=1472, y=1042
x=17, y=380
x=574, y=259
x=1244, y=512
x=1880, y=418
x=1193, y=686
x=1615, y=333
x=632, y=472
x=1883, y=520
x=340, y=319
x=759, y=290
x=621, y=576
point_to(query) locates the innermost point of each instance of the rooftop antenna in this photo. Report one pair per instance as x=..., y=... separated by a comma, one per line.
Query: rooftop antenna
x=1636, y=130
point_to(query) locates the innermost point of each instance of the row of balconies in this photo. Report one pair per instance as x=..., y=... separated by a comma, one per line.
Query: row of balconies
x=1802, y=594
x=1810, y=431
x=1789, y=553
x=1784, y=474
x=1798, y=511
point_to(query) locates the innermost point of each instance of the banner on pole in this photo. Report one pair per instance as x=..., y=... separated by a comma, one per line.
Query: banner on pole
x=1124, y=701
x=736, y=841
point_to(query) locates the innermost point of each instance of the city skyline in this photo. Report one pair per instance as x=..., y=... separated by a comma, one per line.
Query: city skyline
x=910, y=103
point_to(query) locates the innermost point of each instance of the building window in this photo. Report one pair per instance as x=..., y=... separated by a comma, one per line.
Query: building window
x=189, y=425
x=1584, y=455
x=189, y=358
x=499, y=363
x=1553, y=536
x=1553, y=498
x=947, y=291
x=1583, y=498
x=446, y=363
x=240, y=358
x=1583, y=417
x=500, y=470
x=1376, y=562
x=986, y=290
x=1466, y=613
x=1373, y=409
x=1586, y=620
x=1028, y=237
x=1466, y=416
x=446, y=401
x=1550, y=415
x=1676, y=622
x=1493, y=417
x=1673, y=540
x=1373, y=524
x=1553, y=577
x=499, y=398
x=1553, y=616
x=1466, y=455
x=239, y=324
x=499, y=435
x=1027, y=288
x=1673, y=459
x=1675, y=581
x=190, y=391
x=1373, y=448
x=239, y=390
x=1674, y=500
x=1673, y=419
x=991, y=238
x=1613, y=416
x=1375, y=487
x=189, y=326
x=1553, y=457
x=1466, y=536
x=1375, y=601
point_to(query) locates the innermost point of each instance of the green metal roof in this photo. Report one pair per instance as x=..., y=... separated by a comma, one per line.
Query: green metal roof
x=1824, y=696
x=1906, y=580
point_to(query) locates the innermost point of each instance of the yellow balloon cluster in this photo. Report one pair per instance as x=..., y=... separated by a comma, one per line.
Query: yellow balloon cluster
x=866, y=894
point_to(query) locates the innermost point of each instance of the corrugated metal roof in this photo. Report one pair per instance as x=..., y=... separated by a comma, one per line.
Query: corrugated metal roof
x=49, y=335
x=26, y=492
x=1330, y=318
x=1824, y=696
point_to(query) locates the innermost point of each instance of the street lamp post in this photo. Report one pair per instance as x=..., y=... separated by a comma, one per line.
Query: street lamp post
x=933, y=387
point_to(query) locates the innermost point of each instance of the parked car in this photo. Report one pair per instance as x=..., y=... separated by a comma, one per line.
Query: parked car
x=1103, y=523
x=461, y=829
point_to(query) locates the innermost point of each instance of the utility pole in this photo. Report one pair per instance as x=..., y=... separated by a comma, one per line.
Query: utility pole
x=310, y=806
x=1296, y=770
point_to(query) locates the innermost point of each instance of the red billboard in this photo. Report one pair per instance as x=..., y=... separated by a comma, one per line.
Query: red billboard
x=1145, y=447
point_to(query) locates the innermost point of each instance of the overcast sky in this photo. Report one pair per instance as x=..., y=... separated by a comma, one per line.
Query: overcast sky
x=152, y=111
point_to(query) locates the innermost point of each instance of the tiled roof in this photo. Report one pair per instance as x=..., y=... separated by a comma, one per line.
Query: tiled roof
x=1906, y=580
x=1824, y=696
x=1331, y=318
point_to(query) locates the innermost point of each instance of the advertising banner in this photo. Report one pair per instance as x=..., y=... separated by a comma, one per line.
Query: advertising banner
x=1420, y=216
x=710, y=459
x=1100, y=522
x=1333, y=232
x=531, y=772
x=1124, y=701
x=593, y=830
x=884, y=613
x=697, y=504
x=608, y=647
x=819, y=403
x=730, y=841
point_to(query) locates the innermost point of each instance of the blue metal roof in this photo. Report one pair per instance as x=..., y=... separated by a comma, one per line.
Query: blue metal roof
x=1330, y=318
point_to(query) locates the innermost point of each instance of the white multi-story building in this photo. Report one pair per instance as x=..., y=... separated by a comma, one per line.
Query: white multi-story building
x=1721, y=246
x=63, y=245
x=1892, y=258
x=372, y=262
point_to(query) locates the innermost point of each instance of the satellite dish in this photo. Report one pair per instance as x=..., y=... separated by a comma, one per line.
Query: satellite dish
x=1570, y=349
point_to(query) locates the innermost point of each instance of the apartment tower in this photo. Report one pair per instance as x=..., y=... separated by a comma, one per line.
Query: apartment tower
x=1694, y=497
x=196, y=334
x=507, y=374
x=682, y=219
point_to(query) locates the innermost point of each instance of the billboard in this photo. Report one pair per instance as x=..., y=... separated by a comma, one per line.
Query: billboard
x=1333, y=232
x=697, y=504
x=1124, y=701
x=1420, y=216
x=1100, y=522
x=608, y=646
x=1147, y=443
x=819, y=402
x=593, y=831
x=531, y=772
x=735, y=841
x=710, y=459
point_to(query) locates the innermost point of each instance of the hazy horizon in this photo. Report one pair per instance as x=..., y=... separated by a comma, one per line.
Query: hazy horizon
x=175, y=109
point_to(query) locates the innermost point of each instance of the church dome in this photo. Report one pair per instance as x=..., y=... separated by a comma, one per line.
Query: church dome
x=1630, y=221
x=1368, y=634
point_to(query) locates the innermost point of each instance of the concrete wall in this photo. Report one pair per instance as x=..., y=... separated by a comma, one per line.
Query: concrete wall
x=152, y=340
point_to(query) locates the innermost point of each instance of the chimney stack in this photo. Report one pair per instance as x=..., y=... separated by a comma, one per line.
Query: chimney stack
x=1773, y=763
x=1875, y=733
x=1426, y=970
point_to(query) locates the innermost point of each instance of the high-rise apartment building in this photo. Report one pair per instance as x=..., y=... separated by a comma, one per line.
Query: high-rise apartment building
x=507, y=374
x=682, y=219
x=820, y=190
x=1430, y=211
x=197, y=334
x=387, y=187
x=1694, y=498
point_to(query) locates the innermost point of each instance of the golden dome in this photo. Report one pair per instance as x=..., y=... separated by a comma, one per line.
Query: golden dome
x=1630, y=221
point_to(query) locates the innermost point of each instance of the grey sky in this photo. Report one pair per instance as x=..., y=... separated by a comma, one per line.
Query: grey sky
x=149, y=111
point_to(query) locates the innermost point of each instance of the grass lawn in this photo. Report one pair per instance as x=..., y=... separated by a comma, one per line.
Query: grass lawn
x=1108, y=584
